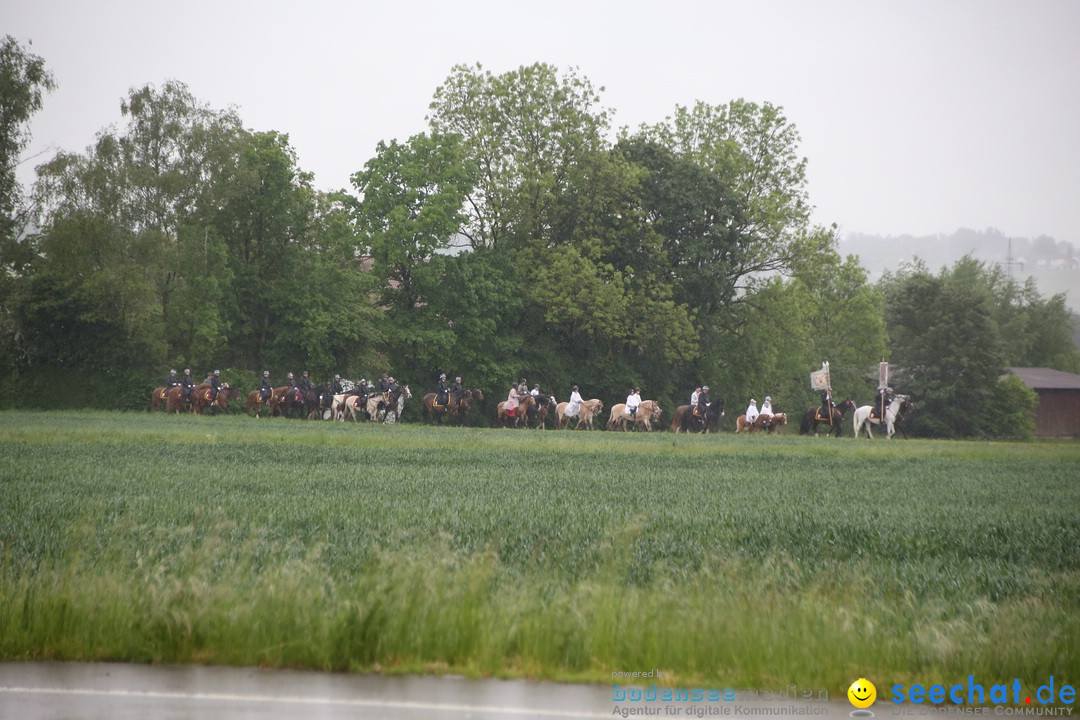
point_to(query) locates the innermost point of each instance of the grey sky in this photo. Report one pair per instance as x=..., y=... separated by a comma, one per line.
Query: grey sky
x=916, y=117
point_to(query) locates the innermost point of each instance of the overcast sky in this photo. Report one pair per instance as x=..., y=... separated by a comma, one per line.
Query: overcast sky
x=917, y=117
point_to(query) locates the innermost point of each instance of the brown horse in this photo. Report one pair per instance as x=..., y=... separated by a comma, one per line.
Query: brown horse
x=457, y=407
x=813, y=417
x=686, y=420
x=524, y=405
x=175, y=400
x=741, y=425
x=159, y=397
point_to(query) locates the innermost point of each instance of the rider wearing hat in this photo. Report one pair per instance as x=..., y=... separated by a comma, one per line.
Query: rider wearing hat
x=215, y=385
x=766, y=410
x=457, y=390
x=884, y=400
x=172, y=381
x=265, y=389
x=186, y=383
x=442, y=391
x=702, y=401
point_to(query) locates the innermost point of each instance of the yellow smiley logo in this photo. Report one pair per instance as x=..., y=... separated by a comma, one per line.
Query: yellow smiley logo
x=862, y=693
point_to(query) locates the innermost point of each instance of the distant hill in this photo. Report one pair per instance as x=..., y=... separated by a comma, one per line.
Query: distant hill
x=1055, y=265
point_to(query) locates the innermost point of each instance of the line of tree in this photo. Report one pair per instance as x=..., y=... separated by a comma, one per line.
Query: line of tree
x=512, y=239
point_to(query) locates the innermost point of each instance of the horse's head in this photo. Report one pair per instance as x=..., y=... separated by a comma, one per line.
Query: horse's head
x=406, y=392
x=477, y=394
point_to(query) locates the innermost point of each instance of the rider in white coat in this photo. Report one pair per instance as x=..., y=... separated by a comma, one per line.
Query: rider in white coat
x=751, y=412
x=766, y=410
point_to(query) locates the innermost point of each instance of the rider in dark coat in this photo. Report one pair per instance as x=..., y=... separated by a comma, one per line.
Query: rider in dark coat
x=703, y=400
x=884, y=400
x=266, y=390
x=215, y=385
x=172, y=381
x=186, y=384
x=442, y=391
x=335, y=387
x=305, y=383
x=456, y=390
x=827, y=404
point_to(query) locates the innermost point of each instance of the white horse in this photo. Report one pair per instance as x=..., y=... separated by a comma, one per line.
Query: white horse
x=862, y=418
x=389, y=415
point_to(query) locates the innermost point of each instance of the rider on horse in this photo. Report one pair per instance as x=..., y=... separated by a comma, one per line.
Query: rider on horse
x=215, y=385
x=702, y=402
x=752, y=412
x=186, y=384
x=457, y=390
x=884, y=400
x=827, y=405
x=171, y=382
x=442, y=392
x=266, y=390
x=633, y=400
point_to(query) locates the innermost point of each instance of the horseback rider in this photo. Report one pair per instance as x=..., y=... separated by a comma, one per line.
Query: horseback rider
x=335, y=387
x=523, y=388
x=266, y=390
x=171, y=382
x=305, y=383
x=694, y=396
x=457, y=390
x=442, y=391
x=633, y=400
x=751, y=412
x=215, y=385
x=513, y=399
x=702, y=402
x=766, y=410
x=574, y=405
x=385, y=385
x=362, y=391
x=186, y=384
x=827, y=405
x=884, y=400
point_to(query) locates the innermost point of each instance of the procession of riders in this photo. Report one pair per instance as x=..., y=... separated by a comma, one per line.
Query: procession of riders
x=450, y=397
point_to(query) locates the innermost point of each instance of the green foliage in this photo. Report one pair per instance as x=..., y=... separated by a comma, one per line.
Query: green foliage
x=23, y=82
x=1010, y=413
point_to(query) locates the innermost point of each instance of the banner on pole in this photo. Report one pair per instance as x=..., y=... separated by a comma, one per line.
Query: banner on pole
x=883, y=375
x=819, y=379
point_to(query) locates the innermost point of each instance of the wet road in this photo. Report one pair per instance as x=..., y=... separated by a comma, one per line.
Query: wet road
x=77, y=691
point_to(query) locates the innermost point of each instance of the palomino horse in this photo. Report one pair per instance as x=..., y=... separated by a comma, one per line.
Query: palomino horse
x=588, y=410
x=900, y=406
x=813, y=417
x=647, y=411
x=457, y=407
x=524, y=405
x=686, y=420
x=768, y=423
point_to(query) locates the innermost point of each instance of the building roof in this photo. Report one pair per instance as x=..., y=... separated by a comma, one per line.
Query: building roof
x=1046, y=379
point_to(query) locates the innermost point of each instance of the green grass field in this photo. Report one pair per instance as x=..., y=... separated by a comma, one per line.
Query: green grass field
x=728, y=560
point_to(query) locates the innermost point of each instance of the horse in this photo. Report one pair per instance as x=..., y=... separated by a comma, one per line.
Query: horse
x=588, y=410
x=291, y=403
x=647, y=411
x=776, y=421
x=768, y=423
x=398, y=396
x=686, y=420
x=255, y=403
x=813, y=417
x=539, y=412
x=457, y=406
x=901, y=404
x=158, y=397
x=524, y=404
x=176, y=400
x=387, y=407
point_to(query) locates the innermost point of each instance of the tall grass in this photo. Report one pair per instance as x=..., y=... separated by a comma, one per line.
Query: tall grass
x=726, y=560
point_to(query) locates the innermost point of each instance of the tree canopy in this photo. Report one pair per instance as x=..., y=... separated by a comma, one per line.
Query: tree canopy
x=513, y=238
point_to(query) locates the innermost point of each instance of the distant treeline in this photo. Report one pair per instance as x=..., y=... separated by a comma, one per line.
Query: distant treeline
x=681, y=253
